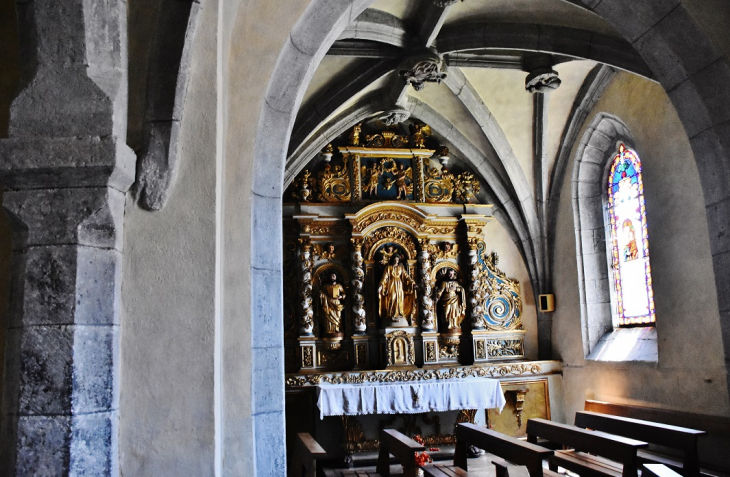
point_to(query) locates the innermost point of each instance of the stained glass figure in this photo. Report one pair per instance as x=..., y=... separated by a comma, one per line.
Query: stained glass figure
x=627, y=215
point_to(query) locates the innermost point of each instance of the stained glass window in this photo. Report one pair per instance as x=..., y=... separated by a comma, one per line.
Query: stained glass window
x=630, y=240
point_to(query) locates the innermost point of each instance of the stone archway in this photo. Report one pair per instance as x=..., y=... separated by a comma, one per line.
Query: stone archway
x=695, y=80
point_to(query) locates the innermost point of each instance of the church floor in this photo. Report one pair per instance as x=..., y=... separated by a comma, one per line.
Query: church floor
x=482, y=465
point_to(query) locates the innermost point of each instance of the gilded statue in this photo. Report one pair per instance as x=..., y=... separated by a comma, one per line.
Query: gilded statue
x=331, y=300
x=401, y=174
x=355, y=135
x=396, y=292
x=451, y=299
x=373, y=175
x=387, y=253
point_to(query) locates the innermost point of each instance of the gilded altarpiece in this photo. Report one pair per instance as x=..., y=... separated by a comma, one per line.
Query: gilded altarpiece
x=387, y=267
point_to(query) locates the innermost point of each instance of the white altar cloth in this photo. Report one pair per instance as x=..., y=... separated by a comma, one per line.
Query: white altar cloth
x=409, y=397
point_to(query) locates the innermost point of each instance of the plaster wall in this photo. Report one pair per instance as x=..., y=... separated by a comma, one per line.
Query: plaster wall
x=690, y=373
x=167, y=374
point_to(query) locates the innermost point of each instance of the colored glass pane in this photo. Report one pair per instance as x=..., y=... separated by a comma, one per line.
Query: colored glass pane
x=630, y=241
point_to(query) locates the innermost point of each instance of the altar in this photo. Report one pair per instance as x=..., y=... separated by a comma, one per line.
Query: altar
x=409, y=397
x=397, y=313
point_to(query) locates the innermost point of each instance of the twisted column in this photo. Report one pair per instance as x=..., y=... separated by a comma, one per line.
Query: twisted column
x=476, y=288
x=358, y=280
x=305, y=267
x=428, y=320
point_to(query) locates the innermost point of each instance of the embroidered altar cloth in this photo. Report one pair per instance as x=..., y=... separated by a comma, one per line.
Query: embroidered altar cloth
x=409, y=397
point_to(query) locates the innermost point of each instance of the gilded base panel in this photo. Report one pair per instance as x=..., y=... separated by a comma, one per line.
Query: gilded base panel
x=498, y=345
x=525, y=400
x=324, y=355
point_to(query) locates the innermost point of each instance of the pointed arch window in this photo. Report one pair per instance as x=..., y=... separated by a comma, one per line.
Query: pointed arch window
x=633, y=294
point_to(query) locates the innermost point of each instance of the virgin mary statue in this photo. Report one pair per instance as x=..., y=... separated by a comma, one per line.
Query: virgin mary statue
x=396, y=292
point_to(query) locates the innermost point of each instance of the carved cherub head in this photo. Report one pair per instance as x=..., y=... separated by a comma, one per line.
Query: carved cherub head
x=446, y=247
x=331, y=248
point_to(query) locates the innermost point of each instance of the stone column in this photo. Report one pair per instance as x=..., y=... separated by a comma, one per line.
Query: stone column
x=65, y=169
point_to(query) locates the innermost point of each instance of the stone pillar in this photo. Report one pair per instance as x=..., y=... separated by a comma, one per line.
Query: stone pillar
x=66, y=170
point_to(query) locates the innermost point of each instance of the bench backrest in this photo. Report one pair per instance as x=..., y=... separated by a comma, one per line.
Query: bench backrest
x=305, y=455
x=621, y=449
x=712, y=447
x=511, y=449
x=402, y=447
x=654, y=432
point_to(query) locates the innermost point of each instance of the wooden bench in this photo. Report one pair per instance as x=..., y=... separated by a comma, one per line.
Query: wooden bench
x=673, y=437
x=712, y=447
x=305, y=455
x=514, y=451
x=403, y=448
x=505, y=469
x=614, y=455
x=443, y=470
x=657, y=470
x=502, y=468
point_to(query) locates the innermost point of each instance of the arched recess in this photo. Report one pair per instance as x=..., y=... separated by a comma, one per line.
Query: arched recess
x=593, y=156
x=695, y=79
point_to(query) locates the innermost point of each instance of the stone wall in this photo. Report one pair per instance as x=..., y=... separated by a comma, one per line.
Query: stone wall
x=690, y=373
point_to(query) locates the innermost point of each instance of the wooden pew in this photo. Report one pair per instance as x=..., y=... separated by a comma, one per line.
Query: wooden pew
x=620, y=450
x=402, y=447
x=512, y=450
x=505, y=469
x=305, y=455
x=712, y=447
x=657, y=470
x=673, y=437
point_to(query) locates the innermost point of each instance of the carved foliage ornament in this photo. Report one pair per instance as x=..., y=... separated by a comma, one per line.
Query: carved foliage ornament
x=460, y=372
x=443, y=186
x=389, y=234
x=329, y=251
x=502, y=306
x=495, y=299
x=505, y=348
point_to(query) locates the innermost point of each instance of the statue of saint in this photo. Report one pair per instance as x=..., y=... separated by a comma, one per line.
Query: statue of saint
x=451, y=300
x=396, y=292
x=331, y=298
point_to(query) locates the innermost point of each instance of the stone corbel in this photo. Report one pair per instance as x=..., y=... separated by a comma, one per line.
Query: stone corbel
x=166, y=91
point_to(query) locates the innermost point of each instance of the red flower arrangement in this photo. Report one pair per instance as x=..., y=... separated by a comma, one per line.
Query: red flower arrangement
x=422, y=458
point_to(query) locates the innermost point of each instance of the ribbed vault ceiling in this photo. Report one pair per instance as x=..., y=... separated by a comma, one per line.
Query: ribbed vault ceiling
x=517, y=141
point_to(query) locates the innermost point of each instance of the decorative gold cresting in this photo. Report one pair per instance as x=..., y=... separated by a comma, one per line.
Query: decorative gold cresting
x=385, y=165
